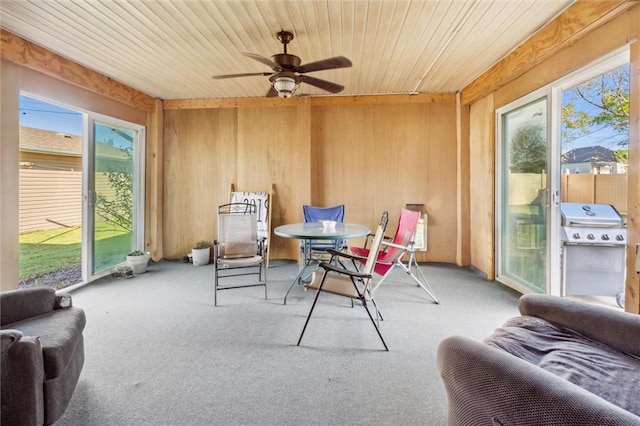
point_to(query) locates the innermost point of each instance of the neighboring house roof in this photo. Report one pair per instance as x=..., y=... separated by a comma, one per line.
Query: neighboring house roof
x=589, y=154
x=47, y=141
x=50, y=142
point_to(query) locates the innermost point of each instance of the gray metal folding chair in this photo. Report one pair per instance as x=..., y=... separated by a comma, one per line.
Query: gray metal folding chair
x=238, y=251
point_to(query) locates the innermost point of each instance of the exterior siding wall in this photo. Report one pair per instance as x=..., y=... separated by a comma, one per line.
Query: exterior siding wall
x=50, y=199
x=51, y=191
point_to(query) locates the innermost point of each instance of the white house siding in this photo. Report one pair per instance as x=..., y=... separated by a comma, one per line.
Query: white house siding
x=51, y=191
x=50, y=199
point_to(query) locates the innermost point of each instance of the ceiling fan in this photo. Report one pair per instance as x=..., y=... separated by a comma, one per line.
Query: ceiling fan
x=287, y=72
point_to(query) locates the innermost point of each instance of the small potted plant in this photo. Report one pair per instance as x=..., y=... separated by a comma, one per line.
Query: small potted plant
x=201, y=253
x=138, y=261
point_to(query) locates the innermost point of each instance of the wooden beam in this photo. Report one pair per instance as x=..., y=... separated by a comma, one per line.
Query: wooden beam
x=463, y=179
x=565, y=29
x=482, y=196
x=315, y=101
x=228, y=103
x=632, y=286
x=22, y=52
x=420, y=98
x=155, y=183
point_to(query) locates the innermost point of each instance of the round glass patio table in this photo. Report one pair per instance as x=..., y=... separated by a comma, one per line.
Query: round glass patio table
x=308, y=231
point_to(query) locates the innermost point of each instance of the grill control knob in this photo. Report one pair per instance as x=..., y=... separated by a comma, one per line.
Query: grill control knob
x=591, y=237
x=576, y=236
x=605, y=237
x=620, y=237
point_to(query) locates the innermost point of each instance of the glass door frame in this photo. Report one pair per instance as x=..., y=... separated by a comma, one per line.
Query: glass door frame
x=552, y=189
x=90, y=119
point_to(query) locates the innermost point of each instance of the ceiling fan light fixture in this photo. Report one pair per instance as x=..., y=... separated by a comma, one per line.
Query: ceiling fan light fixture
x=285, y=86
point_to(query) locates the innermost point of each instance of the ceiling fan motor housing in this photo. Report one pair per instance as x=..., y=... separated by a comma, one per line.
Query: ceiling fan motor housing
x=286, y=61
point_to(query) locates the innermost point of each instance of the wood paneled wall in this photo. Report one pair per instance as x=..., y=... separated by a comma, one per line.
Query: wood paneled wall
x=206, y=150
x=369, y=156
x=380, y=157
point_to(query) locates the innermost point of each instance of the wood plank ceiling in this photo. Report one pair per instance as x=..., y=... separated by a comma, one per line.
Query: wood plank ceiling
x=169, y=49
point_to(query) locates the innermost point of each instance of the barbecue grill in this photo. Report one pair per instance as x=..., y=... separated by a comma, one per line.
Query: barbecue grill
x=594, y=242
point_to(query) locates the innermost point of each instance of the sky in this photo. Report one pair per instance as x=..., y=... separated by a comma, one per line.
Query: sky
x=43, y=115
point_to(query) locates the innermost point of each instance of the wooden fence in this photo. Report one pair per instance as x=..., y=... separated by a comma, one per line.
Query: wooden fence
x=598, y=189
x=611, y=189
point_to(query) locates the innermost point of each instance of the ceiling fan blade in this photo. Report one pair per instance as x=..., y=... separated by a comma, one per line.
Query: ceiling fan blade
x=323, y=84
x=250, y=74
x=271, y=93
x=262, y=59
x=325, y=64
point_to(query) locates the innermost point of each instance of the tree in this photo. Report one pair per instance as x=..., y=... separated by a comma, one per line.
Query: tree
x=528, y=153
x=622, y=156
x=118, y=208
x=597, y=104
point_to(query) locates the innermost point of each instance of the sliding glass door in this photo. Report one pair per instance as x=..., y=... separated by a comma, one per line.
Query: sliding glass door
x=114, y=193
x=523, y=195
x=545, y=140
x=81, y=193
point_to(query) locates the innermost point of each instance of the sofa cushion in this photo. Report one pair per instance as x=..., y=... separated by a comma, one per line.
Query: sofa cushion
x=59, y=332
x=595, y=367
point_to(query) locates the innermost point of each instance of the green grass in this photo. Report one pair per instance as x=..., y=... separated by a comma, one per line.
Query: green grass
x=42, y=252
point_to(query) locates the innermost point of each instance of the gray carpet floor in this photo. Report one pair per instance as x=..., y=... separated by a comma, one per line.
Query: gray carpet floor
x=159, y=353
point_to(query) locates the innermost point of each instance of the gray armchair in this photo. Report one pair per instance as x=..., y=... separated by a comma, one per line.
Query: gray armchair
x=562, y=362
x=42, y=355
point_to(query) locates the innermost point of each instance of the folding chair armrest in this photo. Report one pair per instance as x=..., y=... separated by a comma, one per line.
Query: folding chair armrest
x=345, y=255
x=398, y=246
x=366, y=239
x=333, y=268
x=370, y=235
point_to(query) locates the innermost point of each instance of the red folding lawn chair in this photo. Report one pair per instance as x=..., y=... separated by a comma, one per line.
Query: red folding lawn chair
x=393, y=252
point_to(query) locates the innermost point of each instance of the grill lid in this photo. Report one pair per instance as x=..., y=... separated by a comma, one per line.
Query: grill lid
x=590, y=215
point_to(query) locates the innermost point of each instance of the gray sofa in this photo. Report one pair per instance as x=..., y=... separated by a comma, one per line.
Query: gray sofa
x=562, y=362
x=42, y=355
